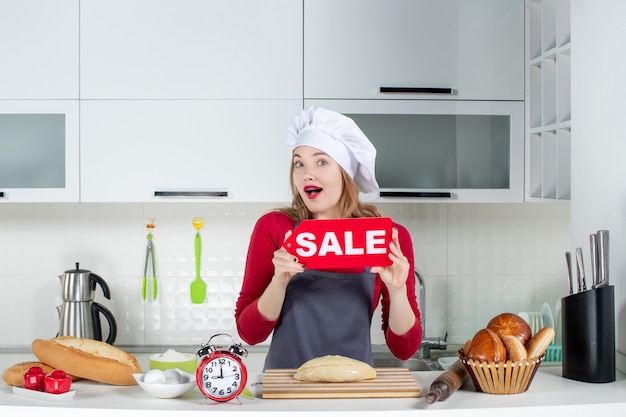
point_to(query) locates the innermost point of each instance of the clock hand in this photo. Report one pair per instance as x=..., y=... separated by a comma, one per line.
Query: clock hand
x=220, y=376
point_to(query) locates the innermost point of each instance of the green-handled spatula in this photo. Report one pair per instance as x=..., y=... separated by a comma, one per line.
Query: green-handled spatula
x=198, y=287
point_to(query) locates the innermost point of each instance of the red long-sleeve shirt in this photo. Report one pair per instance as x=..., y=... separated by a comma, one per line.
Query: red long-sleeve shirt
x=267, y=236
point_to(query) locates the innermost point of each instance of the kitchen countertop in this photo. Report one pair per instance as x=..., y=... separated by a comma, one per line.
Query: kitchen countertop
x=548, y=393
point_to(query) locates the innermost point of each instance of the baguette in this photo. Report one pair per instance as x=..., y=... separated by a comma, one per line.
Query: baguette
x=89, y=359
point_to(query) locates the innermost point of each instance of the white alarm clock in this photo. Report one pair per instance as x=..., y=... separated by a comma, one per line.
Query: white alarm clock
x=221, y=374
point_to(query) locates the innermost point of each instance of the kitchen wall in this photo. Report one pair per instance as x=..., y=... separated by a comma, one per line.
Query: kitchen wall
x=477, y=260
x=598, y=139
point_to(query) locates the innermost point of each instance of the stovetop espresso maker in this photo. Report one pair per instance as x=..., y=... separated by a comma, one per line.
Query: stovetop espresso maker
x=79, y=315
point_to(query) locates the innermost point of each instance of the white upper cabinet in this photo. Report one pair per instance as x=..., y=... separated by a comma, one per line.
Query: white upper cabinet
x=39, y=151
x=39, y=49
x=548, y=102
x=352, y=48
x=191, y=49
x=185, y=150
x=442, y=150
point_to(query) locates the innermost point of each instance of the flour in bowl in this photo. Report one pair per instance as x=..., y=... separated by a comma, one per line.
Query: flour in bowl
x=172, y=355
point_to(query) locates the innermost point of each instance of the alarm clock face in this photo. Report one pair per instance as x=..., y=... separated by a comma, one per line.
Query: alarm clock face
x=221, y=376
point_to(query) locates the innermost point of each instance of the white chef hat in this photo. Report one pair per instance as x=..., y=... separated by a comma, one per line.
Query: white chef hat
x=340, y=137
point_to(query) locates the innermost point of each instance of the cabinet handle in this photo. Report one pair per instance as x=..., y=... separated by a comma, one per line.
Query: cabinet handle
x=192, y=194
x=1, y=194
x=418, y=194
x=419, y=90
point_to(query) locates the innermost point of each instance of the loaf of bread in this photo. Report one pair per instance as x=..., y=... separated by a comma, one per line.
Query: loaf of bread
x=511, y=324
x=486, y=346
x=89, y=359
x=334, y=368
x=538, y=344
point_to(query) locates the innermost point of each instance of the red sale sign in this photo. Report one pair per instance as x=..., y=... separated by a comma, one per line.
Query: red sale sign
x=341, y=243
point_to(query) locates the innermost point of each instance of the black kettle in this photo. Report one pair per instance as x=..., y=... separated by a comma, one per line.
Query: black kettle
x=79, y=315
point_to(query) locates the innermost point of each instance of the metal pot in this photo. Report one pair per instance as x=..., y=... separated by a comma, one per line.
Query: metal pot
x=79, y=315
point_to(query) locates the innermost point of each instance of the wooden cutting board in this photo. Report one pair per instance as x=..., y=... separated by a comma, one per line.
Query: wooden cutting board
x=389, y=383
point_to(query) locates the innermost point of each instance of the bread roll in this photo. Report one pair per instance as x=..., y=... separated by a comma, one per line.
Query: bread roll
x=14, y=375
x=511, y=324
x=334, y=368
x=466, y=346
x=540, y=342
x=515, y=350
x=89, y=359
x=486, y=346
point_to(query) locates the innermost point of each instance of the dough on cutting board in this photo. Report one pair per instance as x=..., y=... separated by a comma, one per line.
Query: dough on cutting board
x=334, y=368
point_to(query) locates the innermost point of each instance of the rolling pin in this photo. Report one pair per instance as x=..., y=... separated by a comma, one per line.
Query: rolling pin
x=447, y=383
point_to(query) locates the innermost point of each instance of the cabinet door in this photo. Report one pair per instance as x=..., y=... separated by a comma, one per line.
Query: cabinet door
x=352, y=48
x=442, y=151
x=39, y=151
x=39, y=49
x=148, y=151
x=191, y=49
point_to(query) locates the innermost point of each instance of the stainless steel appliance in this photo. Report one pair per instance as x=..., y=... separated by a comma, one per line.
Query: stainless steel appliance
x=79, y=315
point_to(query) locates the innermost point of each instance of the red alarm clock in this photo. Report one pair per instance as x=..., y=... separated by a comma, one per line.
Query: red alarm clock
x=221, y=374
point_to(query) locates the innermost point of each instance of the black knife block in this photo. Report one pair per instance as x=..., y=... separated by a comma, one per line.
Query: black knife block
x=588, y=338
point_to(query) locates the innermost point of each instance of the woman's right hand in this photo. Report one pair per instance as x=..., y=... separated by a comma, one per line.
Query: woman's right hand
x=286, y=265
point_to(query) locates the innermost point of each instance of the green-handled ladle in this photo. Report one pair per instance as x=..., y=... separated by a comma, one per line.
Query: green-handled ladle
x=198, y=287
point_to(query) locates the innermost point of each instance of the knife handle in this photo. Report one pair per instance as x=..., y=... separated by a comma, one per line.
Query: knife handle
x=570, y=281
x=603, y=257
x=593, y=244
x=580, y=270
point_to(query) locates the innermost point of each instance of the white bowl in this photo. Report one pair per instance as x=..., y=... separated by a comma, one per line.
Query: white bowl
x=168, y=390
x=447, y=361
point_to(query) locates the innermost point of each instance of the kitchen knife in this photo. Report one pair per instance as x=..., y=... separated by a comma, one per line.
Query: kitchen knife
x=593, y=243
x=570, y=280
x=603, y=258
x=580, y=270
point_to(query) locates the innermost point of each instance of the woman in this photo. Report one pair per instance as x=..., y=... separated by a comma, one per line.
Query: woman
x=315, y=313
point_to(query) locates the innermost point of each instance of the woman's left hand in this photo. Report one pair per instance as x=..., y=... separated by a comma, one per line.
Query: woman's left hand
x=401, y=315
x=395, y=275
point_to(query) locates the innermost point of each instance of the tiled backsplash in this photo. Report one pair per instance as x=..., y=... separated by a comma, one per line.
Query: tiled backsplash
x=477, y=260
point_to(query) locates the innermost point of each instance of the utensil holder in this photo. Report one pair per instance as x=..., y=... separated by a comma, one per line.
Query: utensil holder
x=588, y=342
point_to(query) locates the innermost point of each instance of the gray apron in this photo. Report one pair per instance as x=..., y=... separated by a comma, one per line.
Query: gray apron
x=324, y=313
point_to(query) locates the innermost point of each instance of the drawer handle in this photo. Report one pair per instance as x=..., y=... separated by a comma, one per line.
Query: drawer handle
x=419, y=90
x=418, y=194
x=1, y=194
x=192, y=194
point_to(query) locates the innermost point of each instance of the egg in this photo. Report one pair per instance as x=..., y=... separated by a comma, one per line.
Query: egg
x=172, y=377
x=155, y=376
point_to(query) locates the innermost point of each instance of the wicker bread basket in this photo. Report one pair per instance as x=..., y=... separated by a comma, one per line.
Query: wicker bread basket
x=501, y=377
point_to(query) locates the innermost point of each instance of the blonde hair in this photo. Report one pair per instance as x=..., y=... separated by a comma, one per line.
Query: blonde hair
x=349, y=201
